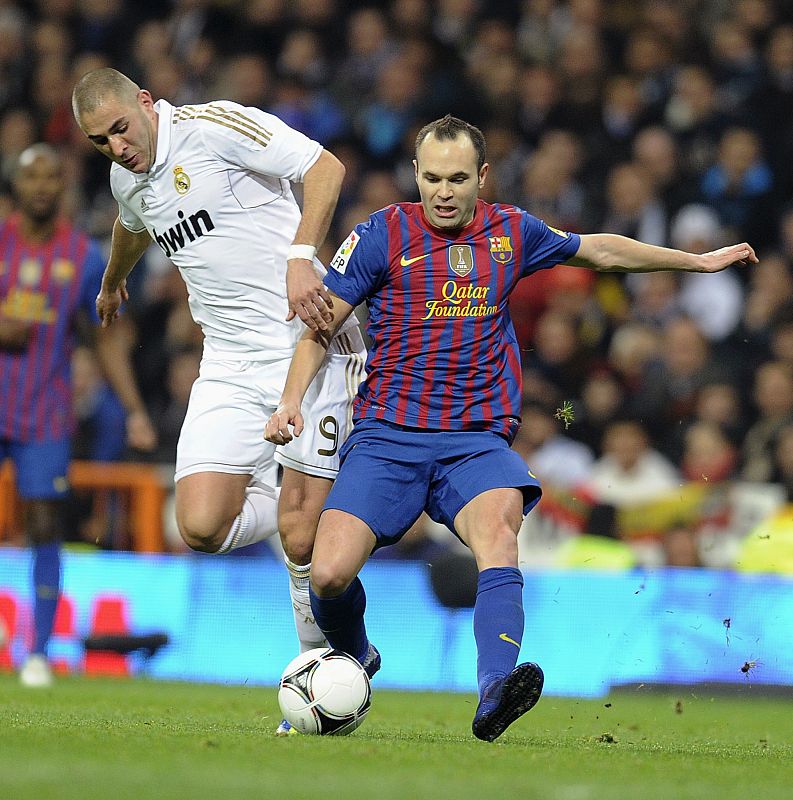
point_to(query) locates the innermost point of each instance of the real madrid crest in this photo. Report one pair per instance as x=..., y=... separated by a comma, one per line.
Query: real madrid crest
x=461, y=259
x=181, y=180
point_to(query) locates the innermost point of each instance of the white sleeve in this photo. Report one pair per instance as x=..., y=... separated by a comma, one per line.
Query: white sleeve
x=253, y=139
x=126, y=216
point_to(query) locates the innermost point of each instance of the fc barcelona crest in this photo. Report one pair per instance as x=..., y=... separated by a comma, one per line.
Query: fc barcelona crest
x=181, y=180
x=501, y=249
x=461, y=259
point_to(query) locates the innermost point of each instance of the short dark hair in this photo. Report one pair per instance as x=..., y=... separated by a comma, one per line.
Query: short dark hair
x=92, y=89
x=448, y=128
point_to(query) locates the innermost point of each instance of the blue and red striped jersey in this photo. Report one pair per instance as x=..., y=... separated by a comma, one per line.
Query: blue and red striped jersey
x=444, y=355
x=45, y=284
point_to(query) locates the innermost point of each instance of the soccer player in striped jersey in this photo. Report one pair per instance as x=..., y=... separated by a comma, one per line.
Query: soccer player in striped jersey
x=211, y=185
x=438, y=410
x=50, y=273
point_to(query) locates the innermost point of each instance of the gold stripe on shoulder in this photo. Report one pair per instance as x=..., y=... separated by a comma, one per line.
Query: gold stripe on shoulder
x=241, y=119
x=236, y=128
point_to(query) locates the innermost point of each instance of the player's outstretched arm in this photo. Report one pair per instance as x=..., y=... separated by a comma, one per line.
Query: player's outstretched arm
x=125, y=251
x=306, y=361
x=308, y=298
x=607, y=252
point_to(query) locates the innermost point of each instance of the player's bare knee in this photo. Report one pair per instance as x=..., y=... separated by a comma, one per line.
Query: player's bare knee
x=202, y=538
x=297, y=547
x=327, y=581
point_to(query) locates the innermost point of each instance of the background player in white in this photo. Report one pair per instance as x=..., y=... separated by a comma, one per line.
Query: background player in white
x=210, y=184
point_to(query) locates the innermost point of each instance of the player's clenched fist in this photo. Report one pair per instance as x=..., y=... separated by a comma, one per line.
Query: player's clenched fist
x=277, y=428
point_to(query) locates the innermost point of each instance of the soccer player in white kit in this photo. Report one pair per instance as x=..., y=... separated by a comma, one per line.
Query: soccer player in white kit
x=210, y=184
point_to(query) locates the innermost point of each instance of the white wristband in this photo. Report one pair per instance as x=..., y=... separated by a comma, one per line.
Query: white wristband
x=307, y=251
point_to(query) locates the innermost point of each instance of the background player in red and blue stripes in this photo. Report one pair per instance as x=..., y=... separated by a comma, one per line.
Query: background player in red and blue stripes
x=50, y=274
x=441, y=402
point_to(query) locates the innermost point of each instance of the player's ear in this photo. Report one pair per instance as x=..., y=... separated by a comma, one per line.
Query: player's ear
x=483, y=174
x=416, y=169
x=145, y=99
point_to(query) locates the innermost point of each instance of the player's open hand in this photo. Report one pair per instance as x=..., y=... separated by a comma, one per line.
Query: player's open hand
x=277, y=428
x=140, y=432
x=717, y=260
x=308, y=298
x=108, y=303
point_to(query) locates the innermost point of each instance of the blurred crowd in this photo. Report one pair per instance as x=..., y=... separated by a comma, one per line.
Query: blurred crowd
x=670, y=121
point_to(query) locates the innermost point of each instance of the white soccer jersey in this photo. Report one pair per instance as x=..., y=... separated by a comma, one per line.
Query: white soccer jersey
x=218, y=202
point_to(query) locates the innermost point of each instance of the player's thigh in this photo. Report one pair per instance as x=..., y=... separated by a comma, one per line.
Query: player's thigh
x=208, y=501
x=383, y=480
x=327, y=416
x=478, y=464
x=223, y=431
x=299, y=507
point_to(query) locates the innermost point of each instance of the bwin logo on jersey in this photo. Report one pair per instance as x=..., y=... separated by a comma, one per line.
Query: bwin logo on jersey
x=194, y=227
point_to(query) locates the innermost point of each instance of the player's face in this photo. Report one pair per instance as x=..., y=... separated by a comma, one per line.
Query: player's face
x=38, y=187
x=448, y=180
x=126, y=132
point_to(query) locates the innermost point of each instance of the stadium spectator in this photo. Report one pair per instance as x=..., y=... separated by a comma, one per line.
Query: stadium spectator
x=694, y=116
x=602, y=401
x=554, y=457
x=740, y=183
x=715, y=306
x=557, y=363
x=655, y=150
x=630, y=471
x=773, y=399
x=669, y=385
x=632, y=208
x=708, y=454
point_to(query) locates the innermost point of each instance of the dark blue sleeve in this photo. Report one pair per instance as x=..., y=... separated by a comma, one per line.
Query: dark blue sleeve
x=544, y=246
x=93, y=268
x=361, y=263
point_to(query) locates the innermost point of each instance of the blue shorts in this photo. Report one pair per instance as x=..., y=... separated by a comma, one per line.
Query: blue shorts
x=41, y=467
x=390, y=474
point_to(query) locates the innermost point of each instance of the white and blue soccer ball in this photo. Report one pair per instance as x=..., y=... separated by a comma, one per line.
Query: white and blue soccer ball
x=324, y=691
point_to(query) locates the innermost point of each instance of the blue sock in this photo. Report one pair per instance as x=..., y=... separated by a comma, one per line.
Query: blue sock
x=498, y=623
x=46, y=587
x=341, y=619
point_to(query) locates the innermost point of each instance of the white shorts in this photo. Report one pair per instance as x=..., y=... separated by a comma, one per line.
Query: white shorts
x=231, y=401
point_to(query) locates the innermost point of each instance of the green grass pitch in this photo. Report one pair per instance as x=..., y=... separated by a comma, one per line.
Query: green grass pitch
x=146, y=740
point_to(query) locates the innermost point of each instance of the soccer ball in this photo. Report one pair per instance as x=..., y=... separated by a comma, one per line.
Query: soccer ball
x=324, y=691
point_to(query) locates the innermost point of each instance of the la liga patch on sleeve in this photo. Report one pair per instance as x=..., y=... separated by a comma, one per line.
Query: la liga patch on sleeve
x=342, y=257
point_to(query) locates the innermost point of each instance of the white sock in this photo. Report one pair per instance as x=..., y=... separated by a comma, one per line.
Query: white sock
x=308, y=634
x=257, y=521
